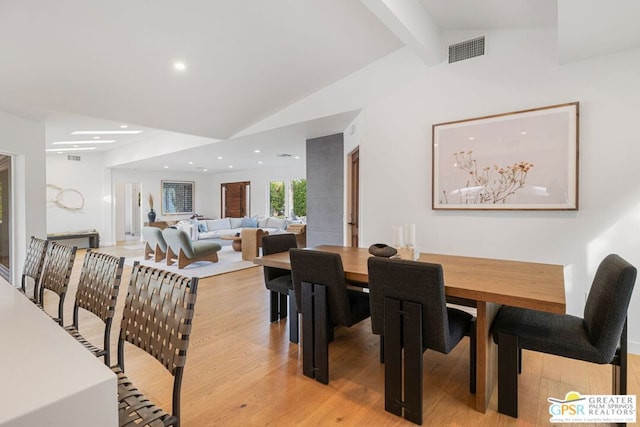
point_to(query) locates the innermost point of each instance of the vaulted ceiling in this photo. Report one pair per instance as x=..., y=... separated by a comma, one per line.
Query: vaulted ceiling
x=87, y=64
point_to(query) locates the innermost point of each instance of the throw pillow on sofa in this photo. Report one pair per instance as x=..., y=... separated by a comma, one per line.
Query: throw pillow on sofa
x=249, y=223
x=219, y=224
x=202, y=227
x=235, y=222
x=277, y=223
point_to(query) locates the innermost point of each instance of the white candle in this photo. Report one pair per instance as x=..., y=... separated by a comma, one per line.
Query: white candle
x=397, y=236
x=410, y=235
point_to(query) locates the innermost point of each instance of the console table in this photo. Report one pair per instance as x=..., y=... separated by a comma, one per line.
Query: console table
x=92, y=235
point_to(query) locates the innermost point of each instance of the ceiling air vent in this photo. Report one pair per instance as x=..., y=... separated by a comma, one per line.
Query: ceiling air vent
x=283, y=155
x=466, y=49
x=74, y=158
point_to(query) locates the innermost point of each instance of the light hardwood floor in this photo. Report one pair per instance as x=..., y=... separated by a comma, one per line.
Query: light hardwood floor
x=242, y=371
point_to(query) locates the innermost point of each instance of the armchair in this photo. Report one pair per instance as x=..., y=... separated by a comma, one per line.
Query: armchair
x=182, y=250
x=155, y=244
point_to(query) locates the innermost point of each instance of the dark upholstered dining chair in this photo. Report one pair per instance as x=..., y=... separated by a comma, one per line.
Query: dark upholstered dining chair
x=33, y=265
x=409, y=310
x=97, y=293
x=56, y=274
x=324, y=301
x=598, y=337
x=155, y=245
x=279, y=283
x=157, y=317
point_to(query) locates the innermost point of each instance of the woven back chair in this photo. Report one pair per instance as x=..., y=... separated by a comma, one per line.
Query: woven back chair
x=56, y=275
x=157, y=318
x=33, y=264
x=97, y=293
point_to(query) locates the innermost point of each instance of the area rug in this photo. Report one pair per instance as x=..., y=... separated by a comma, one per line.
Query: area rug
x=228, y=261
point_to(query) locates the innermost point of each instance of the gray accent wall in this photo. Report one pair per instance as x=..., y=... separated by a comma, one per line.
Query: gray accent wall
x=325, y=190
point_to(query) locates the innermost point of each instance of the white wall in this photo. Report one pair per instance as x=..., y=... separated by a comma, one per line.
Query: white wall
x=81, y=176
x=520, y=71
x=25, y=141
x=102, y=200
x=259, y=179
x=204, y=192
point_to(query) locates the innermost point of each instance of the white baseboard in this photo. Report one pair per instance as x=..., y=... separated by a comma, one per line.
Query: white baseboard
x=633, y=347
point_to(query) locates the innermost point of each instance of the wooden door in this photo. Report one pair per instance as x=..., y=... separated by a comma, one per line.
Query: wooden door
x=354, y=196
x=235, y=199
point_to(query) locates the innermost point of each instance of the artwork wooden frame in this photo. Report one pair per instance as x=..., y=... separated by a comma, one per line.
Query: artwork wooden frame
x=177, y=197
x=523, y=160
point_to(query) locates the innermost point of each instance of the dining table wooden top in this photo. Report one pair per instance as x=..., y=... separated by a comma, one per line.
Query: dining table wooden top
x=516, y=283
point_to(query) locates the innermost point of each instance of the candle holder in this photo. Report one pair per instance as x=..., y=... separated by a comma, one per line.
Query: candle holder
x=404, y=240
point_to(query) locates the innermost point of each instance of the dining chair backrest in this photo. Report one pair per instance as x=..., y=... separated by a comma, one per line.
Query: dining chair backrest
x=606, y=308
x=34, y=263
x=56, y=273
x=273, y=244
x=326, y=269
x=99, y=285
x=157, y=315
x=411, y=281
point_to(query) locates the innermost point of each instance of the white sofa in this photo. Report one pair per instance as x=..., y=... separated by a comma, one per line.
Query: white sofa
x=215, y=228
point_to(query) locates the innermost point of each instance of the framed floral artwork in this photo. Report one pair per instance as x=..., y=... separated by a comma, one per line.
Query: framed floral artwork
x=523, y=160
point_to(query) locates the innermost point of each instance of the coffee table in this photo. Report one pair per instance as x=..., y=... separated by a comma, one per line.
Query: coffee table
x=237, y=242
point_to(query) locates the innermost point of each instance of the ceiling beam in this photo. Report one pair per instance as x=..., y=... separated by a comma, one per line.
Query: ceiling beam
x=411, y=23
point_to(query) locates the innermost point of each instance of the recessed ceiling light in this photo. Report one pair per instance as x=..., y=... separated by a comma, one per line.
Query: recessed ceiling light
x=205, y=169
x=259, y=163
x=230, y=166
x=166, y=167
x=471, y=138
x=523, y=133
x=179, y=66
x=256, y=151
x=102, y=141
x=96, y=137
x=297, y=157
x=106, y=132
x=71, y=149
x=124, y=126
x=190, y=163
x=219, y=157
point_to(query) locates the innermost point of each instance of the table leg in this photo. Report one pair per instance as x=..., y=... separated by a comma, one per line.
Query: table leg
x=486, y=355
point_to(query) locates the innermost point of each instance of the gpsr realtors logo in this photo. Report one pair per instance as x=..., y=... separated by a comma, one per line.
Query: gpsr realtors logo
x=576, y=408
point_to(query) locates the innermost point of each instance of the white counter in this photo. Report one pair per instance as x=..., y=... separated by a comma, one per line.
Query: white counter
x=46, y=377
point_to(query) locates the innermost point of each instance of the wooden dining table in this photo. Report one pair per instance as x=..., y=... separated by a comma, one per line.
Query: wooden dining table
x=483, y=282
